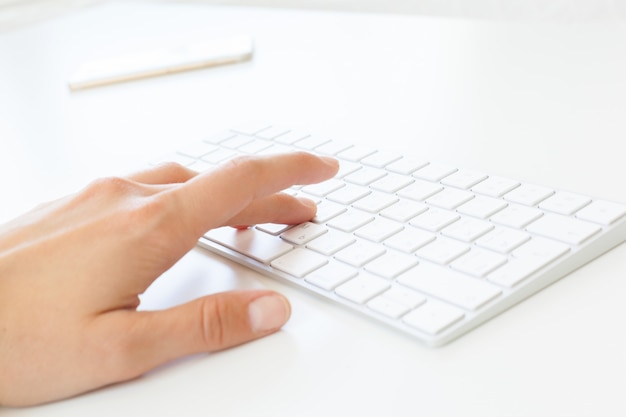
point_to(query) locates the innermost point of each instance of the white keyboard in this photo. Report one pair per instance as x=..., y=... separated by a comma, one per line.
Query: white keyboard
x=429, y=249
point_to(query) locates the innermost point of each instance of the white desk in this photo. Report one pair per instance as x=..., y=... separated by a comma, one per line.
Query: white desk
x=544, y=103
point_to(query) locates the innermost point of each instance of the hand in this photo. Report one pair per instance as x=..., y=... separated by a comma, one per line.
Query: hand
x=71, y=272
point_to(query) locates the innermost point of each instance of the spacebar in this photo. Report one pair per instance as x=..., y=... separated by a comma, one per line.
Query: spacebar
x=250, y=242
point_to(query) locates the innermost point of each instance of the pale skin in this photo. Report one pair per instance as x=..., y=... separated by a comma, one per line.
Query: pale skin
x=71, y=272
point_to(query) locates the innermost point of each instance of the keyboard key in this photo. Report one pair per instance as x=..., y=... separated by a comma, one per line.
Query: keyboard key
x=250, y=242
x=290, y=137
x=433, y=317
x=514, y=272
x=405, y=166
x=565, y=229
x=273, y=228
x=464, y=179
x=303, y=233
x=503, y=239
x=331, y=275
x=326, y=211
x=516, y=216
x=299, y=262
x=333, y=147
x=564, y=203
x=495, y=186
x=453, y=287
x=409, y=240
x=360, y=253
x=362, y=288
x=348, y=194
x=541, y=250
x=237, y=141
x=405, y=296
x=602, y=212
x=481, y=207
x=387, y=307
x=356, y=153
x=379, y=229
x=528, y=195
x=350, y=220
x=434, y=219
x=346, y=168
x=323, y=188
x=442, y=250
x=434, y=172
x=381, y=158
x=255, y=146
x=219, y=156
x=331, y=242
x=375, y=202
x=404, y=210
x=365, y=176
x=478, y=262
x=420, y=190
x=467, y=230
x=220, y=137
x=449, y=198
x=311, y=142
x=391, y=264
x=392, y=183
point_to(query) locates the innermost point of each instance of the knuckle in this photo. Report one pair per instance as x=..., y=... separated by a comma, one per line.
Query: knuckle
x=174, y=169
x=214, y=323
x=133, y=208
x=244, y=164
x=108, y=186
x=151, y=218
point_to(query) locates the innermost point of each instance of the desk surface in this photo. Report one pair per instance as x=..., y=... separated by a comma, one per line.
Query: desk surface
x=539, y=102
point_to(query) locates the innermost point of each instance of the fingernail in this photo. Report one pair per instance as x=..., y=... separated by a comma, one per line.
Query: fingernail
x=308, y=202
x=267, y=313
x=330, y=161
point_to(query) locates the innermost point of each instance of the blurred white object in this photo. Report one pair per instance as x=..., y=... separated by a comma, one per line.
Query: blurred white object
x=163, y=60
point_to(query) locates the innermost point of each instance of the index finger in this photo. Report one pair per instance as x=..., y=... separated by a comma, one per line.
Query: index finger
x=210, y=199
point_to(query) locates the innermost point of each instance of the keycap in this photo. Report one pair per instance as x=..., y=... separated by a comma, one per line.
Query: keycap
x=331, y=242
x=464, y=179
x=303, y=233
x=250, y=242
x=390, y=264
x=602, y=212
x=359, y=253
x=330, y=275
x=403, y=210
x=299, y=262
x=528, y=194
x=350, y=220
x=378, y=230
x=433, y=317
x=434, y=172
x=387, y=307
x=447, y=285
x=565, y=229
x=361, y=288
x=375, y=202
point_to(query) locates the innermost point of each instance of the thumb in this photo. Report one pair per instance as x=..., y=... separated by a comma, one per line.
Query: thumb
x=207, y=324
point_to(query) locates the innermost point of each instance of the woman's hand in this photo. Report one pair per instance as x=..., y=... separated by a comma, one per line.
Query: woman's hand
x=71, y=272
